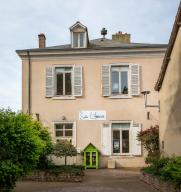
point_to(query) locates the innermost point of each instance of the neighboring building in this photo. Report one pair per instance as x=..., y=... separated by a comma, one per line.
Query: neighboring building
x=89, y=92
x=169, y=87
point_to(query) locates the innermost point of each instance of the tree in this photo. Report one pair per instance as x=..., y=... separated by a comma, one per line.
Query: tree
x=150, y=141
x=64, y=148
x=20, y=146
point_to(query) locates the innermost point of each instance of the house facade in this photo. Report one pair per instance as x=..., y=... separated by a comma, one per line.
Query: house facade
x=89, y=91
x=169, y=88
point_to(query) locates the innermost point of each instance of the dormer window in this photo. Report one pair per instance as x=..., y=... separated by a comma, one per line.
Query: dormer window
x=79, y=36
x=78, y=40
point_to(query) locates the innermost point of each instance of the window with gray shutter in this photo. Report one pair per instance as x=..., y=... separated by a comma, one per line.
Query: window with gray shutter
x=78, y=81
x=135, y=79
x=49, y=88
x=105, y=80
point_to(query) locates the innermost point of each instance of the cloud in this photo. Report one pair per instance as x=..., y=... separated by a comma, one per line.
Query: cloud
x=21, y=21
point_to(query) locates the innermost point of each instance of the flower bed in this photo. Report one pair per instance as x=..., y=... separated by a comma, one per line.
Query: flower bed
x=57, y=174
x=164, y=174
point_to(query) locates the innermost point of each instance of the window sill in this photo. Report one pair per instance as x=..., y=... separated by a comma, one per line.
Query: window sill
x=120, y=97
x=122, y=155
x=63, y=98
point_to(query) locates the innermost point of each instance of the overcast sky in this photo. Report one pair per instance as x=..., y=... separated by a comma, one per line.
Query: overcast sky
x=148, y=21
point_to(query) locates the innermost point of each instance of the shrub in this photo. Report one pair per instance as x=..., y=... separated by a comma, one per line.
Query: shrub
x=64, y=148
x=20, y=146
x=168, y=169
x=172, y=170
x=150, y=141
x=44, y=161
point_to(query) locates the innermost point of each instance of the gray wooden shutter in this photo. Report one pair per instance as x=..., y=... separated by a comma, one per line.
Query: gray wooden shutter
x=77, y=81
x=135, y=79
x=105, y=80
x=49, y=88
x=136, y=145
x=106, y=139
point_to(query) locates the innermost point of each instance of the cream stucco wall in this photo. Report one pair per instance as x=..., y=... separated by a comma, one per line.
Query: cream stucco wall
x=51, y=109
x=170, y=98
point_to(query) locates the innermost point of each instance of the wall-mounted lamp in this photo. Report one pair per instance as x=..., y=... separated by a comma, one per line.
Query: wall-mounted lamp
x=145, y=93
x=64, y=118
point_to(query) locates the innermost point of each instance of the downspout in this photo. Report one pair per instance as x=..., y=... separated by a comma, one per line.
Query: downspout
x=29, y=83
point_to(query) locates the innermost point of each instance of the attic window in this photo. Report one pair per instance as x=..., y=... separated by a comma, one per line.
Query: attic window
x=78, y=40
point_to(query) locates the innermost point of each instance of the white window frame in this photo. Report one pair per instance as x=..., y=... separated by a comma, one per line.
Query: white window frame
x=55, y=80
x=120, y=129
x=84, y=39
x=69, y=138
x=121, y=96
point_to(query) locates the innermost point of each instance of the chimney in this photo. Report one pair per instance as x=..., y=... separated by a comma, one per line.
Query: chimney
x=42, y=40
x=122, y=37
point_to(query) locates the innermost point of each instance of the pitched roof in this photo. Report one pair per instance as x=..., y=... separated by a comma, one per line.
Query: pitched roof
x=99, y=44
x=172, y=39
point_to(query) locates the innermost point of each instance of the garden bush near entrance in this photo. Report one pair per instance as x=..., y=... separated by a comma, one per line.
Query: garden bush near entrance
x=21, y=145
x=25, y=146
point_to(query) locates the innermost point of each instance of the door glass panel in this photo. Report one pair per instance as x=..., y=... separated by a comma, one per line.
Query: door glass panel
x=116, y=141
x=115, y=82
x=88, y=158
x=60, y=84
x=125, y=141
x=124, y=82
x=68, y=84
x=93, y=158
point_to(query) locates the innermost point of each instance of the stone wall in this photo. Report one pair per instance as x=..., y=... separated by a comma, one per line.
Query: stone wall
x=159, y=184
x=46, y=176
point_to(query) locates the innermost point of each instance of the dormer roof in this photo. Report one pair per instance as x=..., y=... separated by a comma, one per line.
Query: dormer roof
x=78, y=24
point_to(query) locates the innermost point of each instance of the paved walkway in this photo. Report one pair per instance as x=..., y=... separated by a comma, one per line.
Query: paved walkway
x=102, y=180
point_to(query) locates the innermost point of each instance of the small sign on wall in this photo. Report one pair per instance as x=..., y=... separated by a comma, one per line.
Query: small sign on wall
x=92, y=115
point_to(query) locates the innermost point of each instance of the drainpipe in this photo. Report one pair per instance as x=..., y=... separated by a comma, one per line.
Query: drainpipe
x=29, y=83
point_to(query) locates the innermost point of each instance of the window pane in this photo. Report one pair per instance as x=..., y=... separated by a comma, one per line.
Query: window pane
x=116, y=141
x=124, y=82
x=68, y=133
x=60, y=84
x=120, y=125
x=115, y=82
x=68, y=126
x=59, y=133
x=59, y=126
x=125, y=141
x=75, y=39
x=68, y=84
x=81, y=39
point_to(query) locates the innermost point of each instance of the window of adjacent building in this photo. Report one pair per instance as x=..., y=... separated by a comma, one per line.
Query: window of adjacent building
x=78, y=40
x=119, y=80
x=120, y=138
x=63, y=81
x=64, y=130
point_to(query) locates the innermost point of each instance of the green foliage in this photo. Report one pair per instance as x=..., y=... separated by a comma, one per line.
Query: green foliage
x=168, y=169
x=73, y=169
x=172, y=170
x=150, y=141
x=64, y=148
x=20, y=146
x=44, y=162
